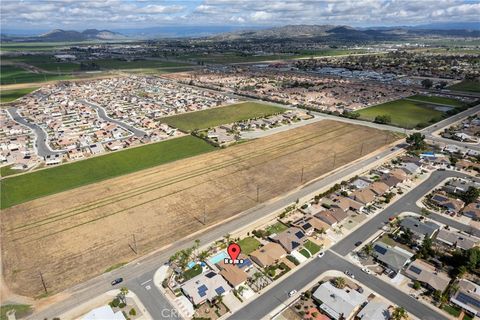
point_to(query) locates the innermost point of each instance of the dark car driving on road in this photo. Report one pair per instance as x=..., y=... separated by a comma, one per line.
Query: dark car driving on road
x=117, y=281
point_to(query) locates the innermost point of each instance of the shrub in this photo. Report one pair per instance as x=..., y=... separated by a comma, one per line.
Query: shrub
x=121, y=305
x=133, y=312
x=115, y=302
x=293, y=260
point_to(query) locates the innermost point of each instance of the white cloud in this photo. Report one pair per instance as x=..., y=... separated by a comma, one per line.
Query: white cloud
x=145, y=13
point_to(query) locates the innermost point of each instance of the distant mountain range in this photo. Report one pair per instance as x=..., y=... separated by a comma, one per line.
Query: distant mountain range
x=323, y=32
x=346, y=33
x=59, y=35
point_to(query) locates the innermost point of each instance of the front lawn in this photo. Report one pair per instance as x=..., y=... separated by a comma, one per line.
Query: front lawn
x=222, y=115
x=249, y=245
x=276, y=228
x=454, y=311
x=312, y=247
x=305, y=253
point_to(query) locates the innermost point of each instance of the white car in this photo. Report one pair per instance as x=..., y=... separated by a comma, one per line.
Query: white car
x=321, y=254
x=366, y=270
x=291, y=293
x=348, y=273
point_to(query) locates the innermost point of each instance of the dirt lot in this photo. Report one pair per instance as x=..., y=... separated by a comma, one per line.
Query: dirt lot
x=77, y=234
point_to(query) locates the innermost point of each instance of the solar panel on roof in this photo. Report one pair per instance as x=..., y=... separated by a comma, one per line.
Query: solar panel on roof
x=307, y=225
x=462, y=297
x=210, y=275
x=299, y=234
x=415, y=269
x=219, y=290
x=380, y=249
x=245, y=263
x=202, y=290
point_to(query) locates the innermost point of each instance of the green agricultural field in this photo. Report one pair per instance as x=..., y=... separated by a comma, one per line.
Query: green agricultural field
x=222, y=115
x=40, y=183
x=466, y=85
x=12, y=95
x=438, y=100
x=45, y=62
x=11, y=74
x=138, y=64
x=404, y=113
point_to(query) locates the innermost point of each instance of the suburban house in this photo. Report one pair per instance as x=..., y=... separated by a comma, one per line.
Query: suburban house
x=419, y=229
x=364, y=196
x=467, y=297
x=443, y=201
x=457, y=239
x=290, y=239
x=375, y=309
x=205, y=286
x=459, y=186
x=338, y=303
x=427, y=274
x=472, y=210
x=234, y=274
x=360, y=183
x=268, y=255
x=310, y=224
x=394, y=258
x=410, y=167
x=379, y=188
x=345, y=203
x=102, y=313
x=327, y=217
x=394, y=177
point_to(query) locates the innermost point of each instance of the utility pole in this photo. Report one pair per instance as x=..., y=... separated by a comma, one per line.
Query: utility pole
x=204, y=214
x=258, y=191
x=334, y=159
x=43, y=282
x=361, y=149
x=134, y=247
x=301, y=177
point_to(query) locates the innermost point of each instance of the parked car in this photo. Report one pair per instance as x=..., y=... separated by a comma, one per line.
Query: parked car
x=117, y=281
x=358, y=243
x=291, y=293
x=321, y=254
x=348, y=273
x=366, y=270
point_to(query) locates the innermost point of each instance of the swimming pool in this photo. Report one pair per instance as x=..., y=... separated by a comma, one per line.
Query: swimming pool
x=218, y=257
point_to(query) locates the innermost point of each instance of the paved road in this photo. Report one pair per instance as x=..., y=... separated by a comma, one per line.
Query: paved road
x=102, y=114
x=263, y=305
x=276, y=296
x=406, y=204
x=142, y=270
x=43, y=149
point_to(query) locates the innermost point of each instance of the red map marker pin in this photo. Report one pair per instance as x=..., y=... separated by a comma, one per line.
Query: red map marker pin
x=233, y=251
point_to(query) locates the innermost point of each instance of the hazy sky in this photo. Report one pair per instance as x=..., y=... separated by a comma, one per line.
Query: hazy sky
x=82, y=14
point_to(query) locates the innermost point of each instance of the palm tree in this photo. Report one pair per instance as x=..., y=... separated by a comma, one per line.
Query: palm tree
x=122, y=294
x=368, y=249
x=340, y=282
x=399, y=313
x=203, y=255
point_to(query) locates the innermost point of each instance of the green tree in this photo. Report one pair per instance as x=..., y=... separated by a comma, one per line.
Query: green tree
x=416, y=285
x=339, y=282
x=470, y=195
x=427, y=83
x=399, y=313
x=416, y=140
x=383, y=119
x=368, y=249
